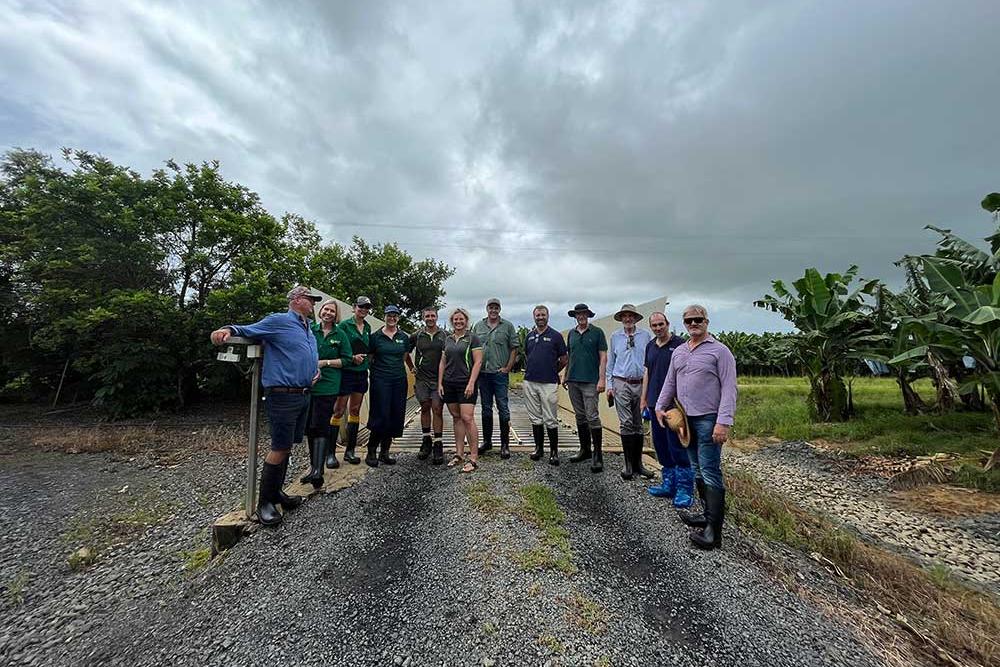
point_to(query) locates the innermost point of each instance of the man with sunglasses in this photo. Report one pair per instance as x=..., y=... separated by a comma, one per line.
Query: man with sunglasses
x=625, y=369
x=291, y=367
x=702, y=377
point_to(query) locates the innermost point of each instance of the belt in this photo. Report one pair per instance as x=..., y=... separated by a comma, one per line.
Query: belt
x=287, y=390
x=628, y=380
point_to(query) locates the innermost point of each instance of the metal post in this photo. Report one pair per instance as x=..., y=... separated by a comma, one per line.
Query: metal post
x=252, y=439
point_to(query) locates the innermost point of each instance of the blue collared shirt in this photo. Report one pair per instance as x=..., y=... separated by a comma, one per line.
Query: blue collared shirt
x=625, y=359
x=291, y=358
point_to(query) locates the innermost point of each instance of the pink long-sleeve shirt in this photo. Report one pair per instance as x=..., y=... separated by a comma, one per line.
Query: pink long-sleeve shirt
x=703, y=380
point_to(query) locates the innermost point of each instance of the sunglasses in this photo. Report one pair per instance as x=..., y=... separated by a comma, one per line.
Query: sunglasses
x=693, y=320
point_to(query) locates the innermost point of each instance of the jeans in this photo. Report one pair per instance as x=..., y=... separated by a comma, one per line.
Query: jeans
x=286, y=414
x=494, y=386
x=705, y=455
x=669, y=450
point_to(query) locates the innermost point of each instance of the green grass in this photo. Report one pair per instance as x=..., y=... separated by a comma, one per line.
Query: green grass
x=484, y=499
x=196, y=559
x=778, y=407
x=16, y=588
x=539, y=507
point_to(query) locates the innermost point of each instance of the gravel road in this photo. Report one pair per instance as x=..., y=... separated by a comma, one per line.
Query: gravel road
x=415, y=565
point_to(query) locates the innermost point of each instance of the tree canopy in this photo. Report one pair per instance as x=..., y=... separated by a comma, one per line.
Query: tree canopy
x=105, y=273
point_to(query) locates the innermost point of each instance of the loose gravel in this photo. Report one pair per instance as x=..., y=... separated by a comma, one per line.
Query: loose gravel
x=969, y=546
x=415, y=565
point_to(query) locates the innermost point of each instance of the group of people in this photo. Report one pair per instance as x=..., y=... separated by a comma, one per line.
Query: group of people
x=315, y=373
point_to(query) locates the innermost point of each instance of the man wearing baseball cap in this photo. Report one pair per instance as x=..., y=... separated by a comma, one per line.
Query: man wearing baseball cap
x=291, y=366
x=500, y=342
x=584, y=380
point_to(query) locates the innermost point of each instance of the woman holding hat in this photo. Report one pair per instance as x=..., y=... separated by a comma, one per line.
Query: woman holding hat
x=387, y=398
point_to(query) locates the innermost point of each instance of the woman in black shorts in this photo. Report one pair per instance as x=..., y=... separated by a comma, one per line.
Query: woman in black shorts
x=457, y=375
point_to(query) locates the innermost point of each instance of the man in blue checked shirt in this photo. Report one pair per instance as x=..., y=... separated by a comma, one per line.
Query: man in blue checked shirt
x=291, y=367
x=626, y=366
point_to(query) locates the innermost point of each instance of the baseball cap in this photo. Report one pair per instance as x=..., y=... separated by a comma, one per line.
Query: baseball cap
x=493, y=302
x=392, y=310
x=302, y=290
x=363, y=301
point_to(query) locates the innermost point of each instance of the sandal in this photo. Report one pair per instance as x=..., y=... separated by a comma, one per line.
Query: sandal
x=470, y=466
x=455, y=460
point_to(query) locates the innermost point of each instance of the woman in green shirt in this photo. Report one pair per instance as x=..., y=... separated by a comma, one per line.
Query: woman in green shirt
x=334, y=352
x=354, y=378
x=387, y=350
x=457, y=375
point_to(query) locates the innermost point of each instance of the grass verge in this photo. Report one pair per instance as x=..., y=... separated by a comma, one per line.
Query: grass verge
x=946, y=618
x=777, y=406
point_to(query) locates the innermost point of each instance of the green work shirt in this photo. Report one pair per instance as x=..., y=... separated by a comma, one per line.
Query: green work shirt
x=584, y=357
x=333, y=345
x=428, y=353
x=458, y=361
x=357, y=342
x=497, y=343
x=387, y=355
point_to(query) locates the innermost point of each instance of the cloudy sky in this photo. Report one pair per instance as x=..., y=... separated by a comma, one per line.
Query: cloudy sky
x=550, y=151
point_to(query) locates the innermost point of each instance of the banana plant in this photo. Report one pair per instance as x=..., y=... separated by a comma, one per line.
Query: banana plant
x=834, y=329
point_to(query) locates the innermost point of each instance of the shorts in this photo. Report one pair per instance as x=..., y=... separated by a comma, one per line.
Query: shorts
x=286, y=416
x=320, y=411
x=353, y=382
x=426, y=390
x=455, y=393
x=387, y=407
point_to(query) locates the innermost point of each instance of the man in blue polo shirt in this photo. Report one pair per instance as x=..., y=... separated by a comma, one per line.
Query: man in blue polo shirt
x=291, y=366
x=545, y=356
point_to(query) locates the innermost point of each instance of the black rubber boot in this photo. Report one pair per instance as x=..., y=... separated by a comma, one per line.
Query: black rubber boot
x=314, y=473
x=425, y=447
x=331, y=447
x=352, y=443
x=553, y=446
x=317, y=448
x=330, y=454
x=637, y=466
x=627, y=445
x=438, y=452
x=505, y=438
x=597, y=455
x=487, y=443
x=697, y=518
x=287, y=502
x=711, y=536
x=583, y=433
x=538, y=433
x=372, y=458
x=267, y=512
x=383, y=451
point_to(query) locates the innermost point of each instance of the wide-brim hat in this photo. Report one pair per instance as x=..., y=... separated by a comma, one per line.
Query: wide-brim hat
x=627, y=308
x=677, y=422
x=581, y=307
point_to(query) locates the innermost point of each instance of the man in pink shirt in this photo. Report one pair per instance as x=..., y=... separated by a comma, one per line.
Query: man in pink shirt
x=702, y=377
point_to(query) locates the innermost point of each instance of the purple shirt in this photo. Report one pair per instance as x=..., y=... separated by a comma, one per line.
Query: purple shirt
x=703, y=380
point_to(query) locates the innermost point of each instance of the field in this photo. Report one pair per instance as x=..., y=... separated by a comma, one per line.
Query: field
x=776, y=407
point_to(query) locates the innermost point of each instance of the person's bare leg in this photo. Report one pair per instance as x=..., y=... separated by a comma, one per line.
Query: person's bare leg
x=458, y=427
x=468, y=413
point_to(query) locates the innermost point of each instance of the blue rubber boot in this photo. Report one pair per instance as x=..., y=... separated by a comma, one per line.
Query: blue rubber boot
x=685, y=482
x=666, y=489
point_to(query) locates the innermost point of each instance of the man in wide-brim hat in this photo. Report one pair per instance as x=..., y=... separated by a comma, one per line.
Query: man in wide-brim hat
x=625, y=369
x=702, y=376
x=584, y=380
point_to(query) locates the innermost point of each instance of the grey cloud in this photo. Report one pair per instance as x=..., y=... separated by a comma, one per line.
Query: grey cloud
x=572, y=150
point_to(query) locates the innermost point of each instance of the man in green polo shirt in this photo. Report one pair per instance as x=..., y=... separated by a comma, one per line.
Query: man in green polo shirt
x=500, y=343
x=584, y=380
